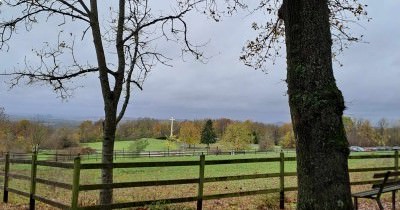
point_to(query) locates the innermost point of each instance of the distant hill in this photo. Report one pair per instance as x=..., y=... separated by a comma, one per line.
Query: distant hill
x=47, y=119
x=59, y=121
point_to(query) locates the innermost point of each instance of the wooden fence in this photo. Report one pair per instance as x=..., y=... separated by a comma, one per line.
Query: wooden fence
x=62, y=156
x=76, y=187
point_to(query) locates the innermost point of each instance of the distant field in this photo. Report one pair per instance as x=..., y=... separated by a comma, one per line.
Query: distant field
x=154, y=145
x=158, y=145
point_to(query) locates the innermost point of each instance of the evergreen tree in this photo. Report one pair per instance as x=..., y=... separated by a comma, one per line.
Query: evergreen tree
x=208, y=135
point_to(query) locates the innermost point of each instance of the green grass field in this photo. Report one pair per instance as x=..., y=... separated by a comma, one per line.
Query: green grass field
x=157, y=145
x=170, y=173
x=154, y=145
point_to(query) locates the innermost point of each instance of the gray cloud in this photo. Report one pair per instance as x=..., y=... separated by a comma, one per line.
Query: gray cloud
x=224, y=87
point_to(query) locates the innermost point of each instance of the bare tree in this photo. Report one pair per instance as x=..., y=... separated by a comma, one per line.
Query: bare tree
x=38, y=133
x=4, y=130
x=125, y=45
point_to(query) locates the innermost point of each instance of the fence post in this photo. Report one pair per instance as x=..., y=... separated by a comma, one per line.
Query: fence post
x=396, y=160
x=33, y=181
x=6, y=172
x=75, y=183
x=201, y=183
x=282, y=181
x=396, y=163
x=56, y=156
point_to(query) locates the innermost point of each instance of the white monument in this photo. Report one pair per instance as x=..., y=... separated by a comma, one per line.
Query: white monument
x=172, y=126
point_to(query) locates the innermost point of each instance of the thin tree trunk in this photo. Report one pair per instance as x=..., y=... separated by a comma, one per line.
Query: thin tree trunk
x=110, y=99
x=316, y=106
x=107, y=155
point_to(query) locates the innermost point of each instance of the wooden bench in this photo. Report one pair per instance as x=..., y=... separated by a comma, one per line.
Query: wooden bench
x=390, y=183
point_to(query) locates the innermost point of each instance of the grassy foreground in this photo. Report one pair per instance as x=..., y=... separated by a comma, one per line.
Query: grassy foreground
x=169, y=173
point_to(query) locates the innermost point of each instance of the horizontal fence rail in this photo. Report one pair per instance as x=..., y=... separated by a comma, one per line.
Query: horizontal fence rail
x=63, y=156
x=76, y=187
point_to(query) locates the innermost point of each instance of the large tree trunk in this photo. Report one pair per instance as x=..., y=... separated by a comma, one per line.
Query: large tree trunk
x=316, y=106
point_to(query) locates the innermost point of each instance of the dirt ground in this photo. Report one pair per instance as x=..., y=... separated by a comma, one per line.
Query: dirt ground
x=364, y=205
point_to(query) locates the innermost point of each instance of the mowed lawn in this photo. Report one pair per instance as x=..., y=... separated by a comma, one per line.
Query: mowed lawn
x=153, y=145
x=158, y=145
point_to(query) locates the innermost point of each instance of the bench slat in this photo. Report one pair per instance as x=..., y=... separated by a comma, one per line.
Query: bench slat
x=364, y=194
x=381, y=175
x=392, y=188
x=391, y=182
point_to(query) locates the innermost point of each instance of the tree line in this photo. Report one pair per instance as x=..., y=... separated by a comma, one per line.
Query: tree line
x=231, y=133
x=22, y=135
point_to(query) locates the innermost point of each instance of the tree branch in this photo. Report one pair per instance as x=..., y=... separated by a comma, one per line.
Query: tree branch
x=56, y=81
x=128, y=80
x=74, y=8
x=265, y=47
x=84, y=6
x=32, y=10
x=49, y=77
x=155, y=21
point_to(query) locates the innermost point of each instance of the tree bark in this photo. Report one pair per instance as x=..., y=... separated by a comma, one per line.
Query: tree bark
x=316, y=106
x=109, y=127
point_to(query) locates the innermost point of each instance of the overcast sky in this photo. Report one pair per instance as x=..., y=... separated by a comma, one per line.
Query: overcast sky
x=224, y=87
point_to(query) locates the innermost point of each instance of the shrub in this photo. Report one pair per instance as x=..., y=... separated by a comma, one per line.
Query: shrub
x=139, y=145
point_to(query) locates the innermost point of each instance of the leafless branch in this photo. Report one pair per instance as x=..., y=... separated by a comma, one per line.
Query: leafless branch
x=131, y=33
x=33, y=11
x=265, y=48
